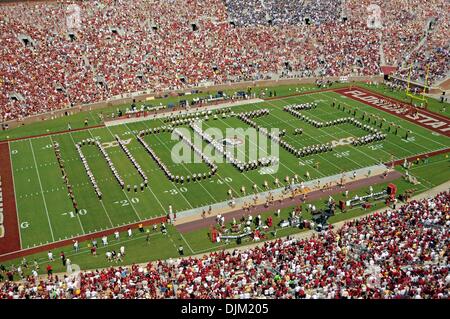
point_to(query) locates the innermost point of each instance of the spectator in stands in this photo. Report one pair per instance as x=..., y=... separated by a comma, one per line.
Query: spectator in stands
x=400, y=253
x=43, y=68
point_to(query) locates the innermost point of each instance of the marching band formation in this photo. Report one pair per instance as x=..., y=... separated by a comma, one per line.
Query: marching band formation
x=110, y=163
x=166, y=170
x=86, y=166
x=194, y=120
x=182, y=119
x=131, y=158
x=264, y=161
x=197, y=151
x=378, y=136
x=374, y=135
x=150, y=150
x=303, y=106
x=57, y=151
x=305, y=151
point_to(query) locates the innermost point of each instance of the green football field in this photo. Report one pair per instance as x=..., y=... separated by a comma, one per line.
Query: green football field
x=46, y=214
x=430, y=174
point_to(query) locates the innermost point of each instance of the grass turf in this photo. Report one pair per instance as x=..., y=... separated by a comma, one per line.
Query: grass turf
x=94, y=116
x=163, y=247
x=44, y=208
x=97, y=115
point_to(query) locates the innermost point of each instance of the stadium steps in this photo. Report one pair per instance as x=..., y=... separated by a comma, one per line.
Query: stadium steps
x=382, y=56
x=421, y=43
x=408, y=55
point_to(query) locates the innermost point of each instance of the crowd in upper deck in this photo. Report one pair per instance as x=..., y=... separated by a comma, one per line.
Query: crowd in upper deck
x=49, y=61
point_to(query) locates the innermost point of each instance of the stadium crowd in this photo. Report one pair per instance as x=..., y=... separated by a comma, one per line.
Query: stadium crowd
x=120, y=47
x=430, y=63
x=399, y=253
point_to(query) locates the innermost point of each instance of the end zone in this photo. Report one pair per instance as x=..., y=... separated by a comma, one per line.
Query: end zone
x=424, y=118
x=11, y=240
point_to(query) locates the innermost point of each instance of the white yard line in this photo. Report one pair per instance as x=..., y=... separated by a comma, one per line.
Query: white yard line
x=42, y=192
x=107, y=215
x=424, y=180
x=189, y=246
x=92, y=117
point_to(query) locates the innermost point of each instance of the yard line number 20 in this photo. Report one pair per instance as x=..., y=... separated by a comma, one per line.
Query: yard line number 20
x=126, y=202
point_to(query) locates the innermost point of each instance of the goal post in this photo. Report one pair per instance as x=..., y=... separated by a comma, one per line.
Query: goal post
x=421, y=96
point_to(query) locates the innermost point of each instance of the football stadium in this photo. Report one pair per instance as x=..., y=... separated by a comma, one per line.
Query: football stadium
x=224, y=149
